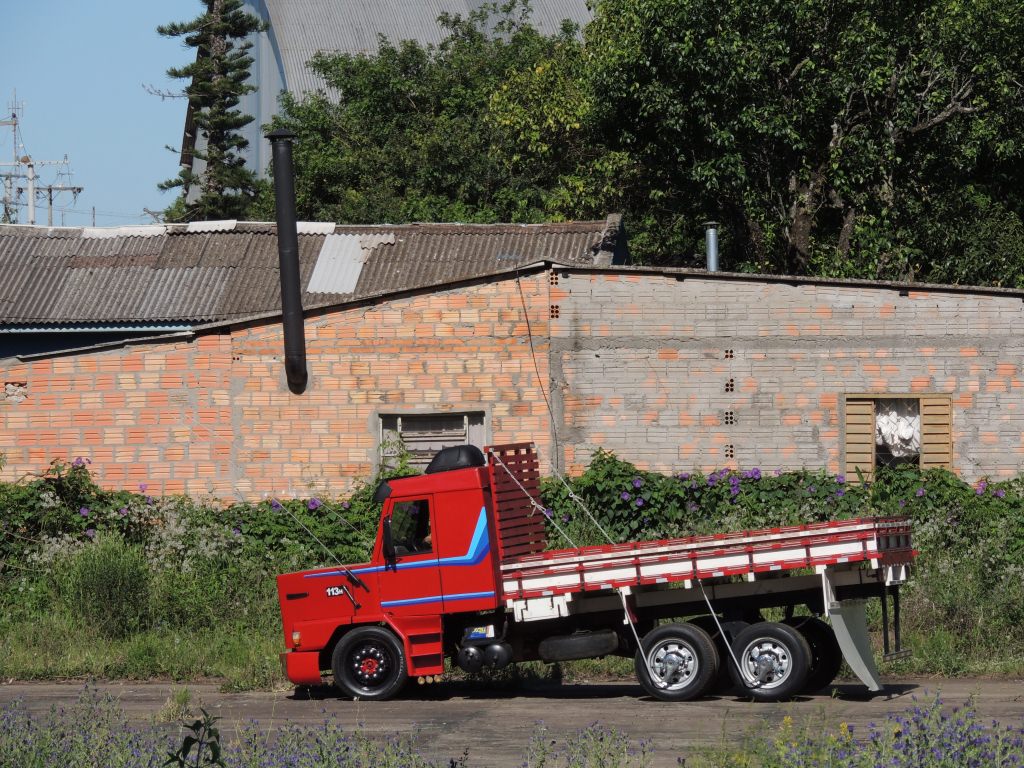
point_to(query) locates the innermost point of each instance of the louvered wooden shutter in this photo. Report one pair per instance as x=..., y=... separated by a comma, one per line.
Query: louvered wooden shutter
x=936, y=432
x=860, y=438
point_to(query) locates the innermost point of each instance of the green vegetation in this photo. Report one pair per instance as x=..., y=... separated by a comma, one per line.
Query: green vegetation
x=96, y=732
x=117, y=584
x=837, y=139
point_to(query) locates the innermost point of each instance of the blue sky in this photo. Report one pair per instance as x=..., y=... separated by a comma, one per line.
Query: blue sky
x=80, y=69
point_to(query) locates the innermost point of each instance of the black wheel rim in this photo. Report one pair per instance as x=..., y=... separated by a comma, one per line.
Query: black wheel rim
x=370, y=665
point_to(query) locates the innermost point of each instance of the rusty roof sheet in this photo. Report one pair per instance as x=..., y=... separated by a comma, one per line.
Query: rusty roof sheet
x=59, y=276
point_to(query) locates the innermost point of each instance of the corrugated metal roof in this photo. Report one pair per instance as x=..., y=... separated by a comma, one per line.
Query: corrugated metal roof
x=63, y=276
x=301, y=28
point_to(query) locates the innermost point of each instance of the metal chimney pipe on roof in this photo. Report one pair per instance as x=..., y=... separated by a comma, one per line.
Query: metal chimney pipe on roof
x=288, y=257
x=711, y=244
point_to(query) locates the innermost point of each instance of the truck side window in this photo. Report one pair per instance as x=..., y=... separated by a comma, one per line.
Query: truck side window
x=410, y=527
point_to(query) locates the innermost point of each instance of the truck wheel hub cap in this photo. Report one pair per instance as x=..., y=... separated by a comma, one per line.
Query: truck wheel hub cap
x=369, y=664
x=768, y=663
x=673, y=665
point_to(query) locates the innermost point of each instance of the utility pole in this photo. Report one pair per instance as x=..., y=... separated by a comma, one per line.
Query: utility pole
x=12, y=192
x=8, y=216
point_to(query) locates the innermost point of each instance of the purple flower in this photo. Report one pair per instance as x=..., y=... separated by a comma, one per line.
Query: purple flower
x=637, y=482
x=314, y=503
x=647, y=520
x=684, y=475
x=276, y=505
x=123, y=511
x=548, y=513
x=143, y=487
x=840, y=493
x=981, y=488
x=626, y=496
x=236, y=531
x=149, y=500
x=902, y=503
x=919, y=492
x=345, y=505
x=777, y=472
x=840, y=479
x=84, y=511
x=80, y=461
x=999, y=493
x=811, y=489
x=753, y=474
x=565, y=518
x=90, y=532
x=639, y=501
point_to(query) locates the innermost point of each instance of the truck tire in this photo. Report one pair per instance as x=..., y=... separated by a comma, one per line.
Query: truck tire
x=826, y=656
x=683, y=660
x=775, y=661
x=723, y=682
x=369, y=663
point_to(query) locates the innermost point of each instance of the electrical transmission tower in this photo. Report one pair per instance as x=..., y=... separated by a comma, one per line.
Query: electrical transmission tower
x=24, y=168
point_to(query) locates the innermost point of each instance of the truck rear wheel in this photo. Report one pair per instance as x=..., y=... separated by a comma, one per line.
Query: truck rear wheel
x=676, y=662
x=369, y=663
x=774, y=661
x=826, y=656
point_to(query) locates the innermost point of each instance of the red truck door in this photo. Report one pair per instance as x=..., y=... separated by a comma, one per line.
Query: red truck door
x=411, y=585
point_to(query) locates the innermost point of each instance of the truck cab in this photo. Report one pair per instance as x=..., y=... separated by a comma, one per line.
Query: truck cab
x=433, y=555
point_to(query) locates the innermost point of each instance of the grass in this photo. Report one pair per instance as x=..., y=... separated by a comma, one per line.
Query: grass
x=56, y=646
x=178, y=706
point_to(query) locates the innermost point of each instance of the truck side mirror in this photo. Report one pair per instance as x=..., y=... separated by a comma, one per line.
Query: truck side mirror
x=388, y=541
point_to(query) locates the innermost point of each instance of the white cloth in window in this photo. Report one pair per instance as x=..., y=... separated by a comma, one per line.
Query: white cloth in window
x=898, y=426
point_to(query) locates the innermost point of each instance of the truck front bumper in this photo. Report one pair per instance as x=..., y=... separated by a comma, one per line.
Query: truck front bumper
x=301, y=667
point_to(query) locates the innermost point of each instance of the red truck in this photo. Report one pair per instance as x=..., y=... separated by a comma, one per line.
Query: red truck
x=460, y=570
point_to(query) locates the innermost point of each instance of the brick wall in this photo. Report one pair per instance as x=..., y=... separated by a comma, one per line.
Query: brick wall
x=213, y=415
x=641, y=365
x=638, y=363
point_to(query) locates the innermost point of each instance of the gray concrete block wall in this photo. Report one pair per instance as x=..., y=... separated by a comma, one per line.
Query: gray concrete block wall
x=640, y=364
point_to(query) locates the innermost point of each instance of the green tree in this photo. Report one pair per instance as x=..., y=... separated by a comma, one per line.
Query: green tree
x=406, y=138
x=833, y=137
x=216, y=82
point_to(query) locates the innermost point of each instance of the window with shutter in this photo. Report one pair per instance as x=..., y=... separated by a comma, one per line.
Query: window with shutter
x=422, y=435
x=892, y=429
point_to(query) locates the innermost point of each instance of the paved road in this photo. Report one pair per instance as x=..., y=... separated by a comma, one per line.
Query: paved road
x=496, y=724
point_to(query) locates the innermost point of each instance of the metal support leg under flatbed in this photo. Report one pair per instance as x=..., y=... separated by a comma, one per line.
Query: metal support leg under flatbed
x=850, y=624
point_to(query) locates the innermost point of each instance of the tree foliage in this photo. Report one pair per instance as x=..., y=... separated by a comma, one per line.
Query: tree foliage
x=217, y=80
x=404, y=136
x=836, y=138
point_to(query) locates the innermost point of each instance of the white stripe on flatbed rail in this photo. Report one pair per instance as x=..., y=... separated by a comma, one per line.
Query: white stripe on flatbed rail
x=644, y=549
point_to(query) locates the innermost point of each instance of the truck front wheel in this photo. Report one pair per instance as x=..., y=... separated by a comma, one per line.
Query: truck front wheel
x=369, y=663
x=676, y=662
x=774, y=662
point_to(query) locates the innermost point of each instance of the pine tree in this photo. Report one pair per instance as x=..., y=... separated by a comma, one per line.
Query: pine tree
x=217, y=81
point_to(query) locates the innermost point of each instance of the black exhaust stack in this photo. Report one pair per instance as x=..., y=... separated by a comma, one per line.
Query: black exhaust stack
x=288, y=256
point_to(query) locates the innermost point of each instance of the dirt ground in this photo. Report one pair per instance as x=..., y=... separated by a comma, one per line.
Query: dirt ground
x=496, y=724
